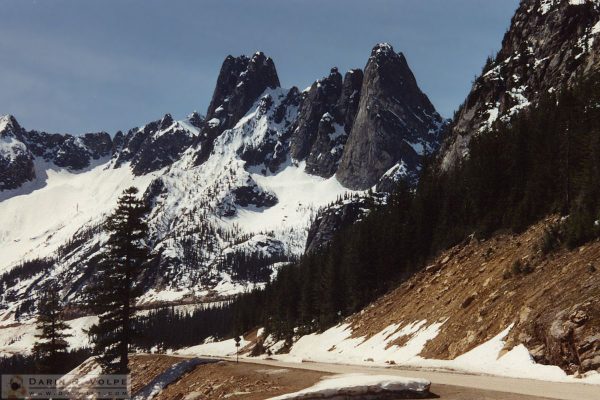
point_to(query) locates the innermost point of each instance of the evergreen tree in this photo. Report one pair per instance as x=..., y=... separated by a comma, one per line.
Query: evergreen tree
x=51, y=347
x=112, y=296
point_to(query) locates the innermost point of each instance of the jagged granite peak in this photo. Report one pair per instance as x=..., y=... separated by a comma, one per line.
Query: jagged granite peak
x=327, y=149
x=349, y=99
x=196, y=120
x=16, y=161
x=270, y=150
x=166, y=121
x=334, y=126
x=241, y=81
x=19, y=148
x=68, y=151
x=396, y=124
x=320, y=98
x=154, y=146
x=550, y=43
x=9, y=123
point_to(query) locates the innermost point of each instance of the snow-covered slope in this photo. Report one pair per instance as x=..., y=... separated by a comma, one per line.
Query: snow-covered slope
x=44, y=214
x=230, y=199
x=202, y=216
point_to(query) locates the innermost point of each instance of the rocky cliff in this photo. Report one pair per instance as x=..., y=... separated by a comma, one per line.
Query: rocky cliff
x=155, y=145
x=396, y=124
x=241, y=81
x=550, y=43
x=19, y=148
x=231, y=195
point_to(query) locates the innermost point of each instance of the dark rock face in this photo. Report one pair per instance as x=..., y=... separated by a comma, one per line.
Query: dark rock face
x=196, y=120
x=16, y=161
x=272, y=150
x=250, y=195
x=153, y=191
x=321, y=98
x=240, y=83
x=548, y=45
x=332, y=219
x=253, y=196
x=349, y=99
x=118, y=142
x=19, y=147
x=154, y=146
x=69, y=151
x=327, y=149
x=334, y=127
x=395, y=123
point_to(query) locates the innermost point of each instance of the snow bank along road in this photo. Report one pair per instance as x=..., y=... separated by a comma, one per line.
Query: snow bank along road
x=530, y=387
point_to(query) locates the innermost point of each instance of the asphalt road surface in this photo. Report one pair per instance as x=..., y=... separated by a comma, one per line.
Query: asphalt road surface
x=443, y=380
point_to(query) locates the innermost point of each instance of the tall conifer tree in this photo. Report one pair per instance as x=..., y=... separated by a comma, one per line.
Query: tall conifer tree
x=51, y=346
x=113, y=294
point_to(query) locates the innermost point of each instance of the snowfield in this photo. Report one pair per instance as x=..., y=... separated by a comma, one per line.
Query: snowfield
x=44, y=214
x=197, y=218
x=359, y=384
x=21, y=338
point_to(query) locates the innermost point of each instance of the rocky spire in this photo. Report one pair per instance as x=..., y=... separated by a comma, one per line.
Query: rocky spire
x=395, y=123
x=349, y=99
x=240, y=83
x=321, y=98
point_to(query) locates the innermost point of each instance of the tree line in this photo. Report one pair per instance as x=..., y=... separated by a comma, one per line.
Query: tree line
x=544, y=160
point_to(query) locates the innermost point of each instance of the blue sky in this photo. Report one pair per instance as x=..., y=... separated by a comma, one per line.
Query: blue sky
x=80, y=66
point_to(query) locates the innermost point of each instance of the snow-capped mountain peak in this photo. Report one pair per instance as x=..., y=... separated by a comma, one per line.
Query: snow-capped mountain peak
x=231, y=195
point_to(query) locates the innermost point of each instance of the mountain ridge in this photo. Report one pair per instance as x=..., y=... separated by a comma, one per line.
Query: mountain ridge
x=227, y=192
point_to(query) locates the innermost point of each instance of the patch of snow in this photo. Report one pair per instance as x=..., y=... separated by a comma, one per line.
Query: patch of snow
x=359, y=384
x=338, y=346
x=214, y=122
x=20, y=339
x=11, y=147
x=223, y=348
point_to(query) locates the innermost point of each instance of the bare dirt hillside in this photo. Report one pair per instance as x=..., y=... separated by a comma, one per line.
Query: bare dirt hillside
x=550, y=294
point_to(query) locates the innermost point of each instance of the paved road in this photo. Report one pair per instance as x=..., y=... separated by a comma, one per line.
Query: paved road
x=529, y=387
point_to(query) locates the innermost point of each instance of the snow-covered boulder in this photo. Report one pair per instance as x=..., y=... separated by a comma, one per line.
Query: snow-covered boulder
x=363, y=386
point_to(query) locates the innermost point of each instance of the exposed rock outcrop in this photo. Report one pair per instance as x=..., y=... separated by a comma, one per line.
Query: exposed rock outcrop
x=325, y=120
x=196, y=120
x=333, y=128
x=475, y=290
x=332, y=219
x=550, y=43
x=19, y=148
x=349, y=99
x=16, y=161
x=67, y=151
x=321, y=98
x=240, y=83
x=395, y=122
x=153, y=146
